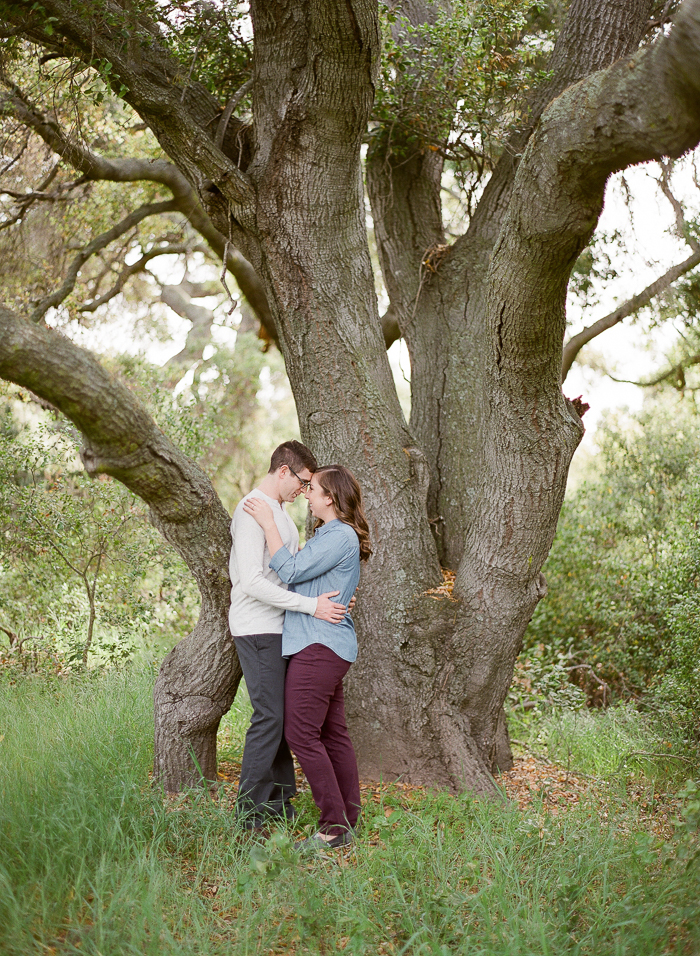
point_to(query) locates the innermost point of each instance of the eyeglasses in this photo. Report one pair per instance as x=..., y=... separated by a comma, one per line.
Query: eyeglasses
x=304, y=483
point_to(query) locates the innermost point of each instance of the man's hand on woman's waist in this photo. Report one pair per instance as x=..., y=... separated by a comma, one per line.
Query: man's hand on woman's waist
x=327, y=610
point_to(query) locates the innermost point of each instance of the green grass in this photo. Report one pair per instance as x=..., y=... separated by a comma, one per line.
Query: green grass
x=93, y=862
x=233, y=727
x=612, y=743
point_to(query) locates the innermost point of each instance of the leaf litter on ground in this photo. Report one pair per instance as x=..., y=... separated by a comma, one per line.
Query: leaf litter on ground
x=533, y=783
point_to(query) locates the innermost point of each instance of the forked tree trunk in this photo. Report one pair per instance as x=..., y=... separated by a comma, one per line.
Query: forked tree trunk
x=492, y=435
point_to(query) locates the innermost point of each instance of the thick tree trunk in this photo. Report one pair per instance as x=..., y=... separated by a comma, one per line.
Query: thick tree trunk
x=320, y=286
x=438, y=293
x=486, y=401
x=196, y=686
x=530, y=431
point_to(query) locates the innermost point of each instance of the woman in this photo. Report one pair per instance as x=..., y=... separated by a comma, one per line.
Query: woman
x=320, y=653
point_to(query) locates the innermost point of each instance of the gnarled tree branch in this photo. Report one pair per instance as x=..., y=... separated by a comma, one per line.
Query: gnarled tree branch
x=677, y=372
x=644, y=107
x=178, y=111
x=97, y=245
x=99, y=168
x=169, y=249
x=577, y=342
x=122, y=440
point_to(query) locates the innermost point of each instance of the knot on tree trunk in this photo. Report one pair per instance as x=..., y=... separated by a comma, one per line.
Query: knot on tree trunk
x=196, y=714
x=100, y=463
x=420, y=470
x=580, y=406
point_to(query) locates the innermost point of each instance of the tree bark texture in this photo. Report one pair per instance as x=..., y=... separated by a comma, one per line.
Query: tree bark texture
x=438, y=293
x=485, y=458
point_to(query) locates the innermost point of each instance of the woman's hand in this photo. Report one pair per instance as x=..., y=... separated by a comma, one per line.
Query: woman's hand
x=261, y=511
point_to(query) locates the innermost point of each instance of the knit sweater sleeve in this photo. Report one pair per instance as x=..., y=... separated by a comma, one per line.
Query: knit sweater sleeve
x=248, y=552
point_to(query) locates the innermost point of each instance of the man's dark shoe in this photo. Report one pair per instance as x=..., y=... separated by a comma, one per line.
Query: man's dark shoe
x=251, y=823
x=288, y=815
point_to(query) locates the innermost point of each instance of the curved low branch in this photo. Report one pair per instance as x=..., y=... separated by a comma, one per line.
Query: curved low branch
x=99, y=168
x=97, y=245
x=121, y=438
x=198, y=679
x=577, y=342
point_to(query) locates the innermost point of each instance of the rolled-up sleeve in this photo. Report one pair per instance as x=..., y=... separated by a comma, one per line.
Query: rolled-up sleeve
x=320, y=554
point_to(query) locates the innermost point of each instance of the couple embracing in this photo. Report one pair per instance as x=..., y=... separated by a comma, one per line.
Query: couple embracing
x=295, y=643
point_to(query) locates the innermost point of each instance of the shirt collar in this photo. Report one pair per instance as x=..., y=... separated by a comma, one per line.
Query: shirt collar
x=327, y=525
x=268, y=499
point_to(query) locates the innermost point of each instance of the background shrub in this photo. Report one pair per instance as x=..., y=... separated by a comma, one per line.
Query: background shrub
x=621, y=618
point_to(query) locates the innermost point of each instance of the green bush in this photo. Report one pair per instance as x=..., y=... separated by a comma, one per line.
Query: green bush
x=621, y=617
x=676, y=685
x=78, y=560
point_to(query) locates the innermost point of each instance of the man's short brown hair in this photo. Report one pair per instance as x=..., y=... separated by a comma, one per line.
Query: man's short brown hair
x=294, y=455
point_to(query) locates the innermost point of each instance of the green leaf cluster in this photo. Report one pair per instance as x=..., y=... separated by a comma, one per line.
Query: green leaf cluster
x=622, y=613
x=595, y=268
x=455, y=84
x=212, y=41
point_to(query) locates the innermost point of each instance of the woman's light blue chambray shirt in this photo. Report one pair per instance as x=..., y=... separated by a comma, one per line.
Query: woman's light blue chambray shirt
x=330, y=561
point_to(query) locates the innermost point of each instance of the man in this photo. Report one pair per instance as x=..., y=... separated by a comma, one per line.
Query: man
x=258, y=603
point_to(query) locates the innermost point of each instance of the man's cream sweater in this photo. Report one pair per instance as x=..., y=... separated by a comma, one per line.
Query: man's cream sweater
x=258, y=597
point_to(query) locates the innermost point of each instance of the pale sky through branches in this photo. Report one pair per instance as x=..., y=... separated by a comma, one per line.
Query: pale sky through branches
x=628, y=350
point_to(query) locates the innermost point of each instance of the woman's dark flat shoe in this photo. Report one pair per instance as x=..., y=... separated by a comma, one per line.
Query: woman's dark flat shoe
x=317, y=842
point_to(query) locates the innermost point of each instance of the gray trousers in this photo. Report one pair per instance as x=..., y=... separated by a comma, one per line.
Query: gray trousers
x=267, y=773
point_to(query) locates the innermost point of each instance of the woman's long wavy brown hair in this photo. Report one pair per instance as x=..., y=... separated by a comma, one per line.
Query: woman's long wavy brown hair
x=345, y=493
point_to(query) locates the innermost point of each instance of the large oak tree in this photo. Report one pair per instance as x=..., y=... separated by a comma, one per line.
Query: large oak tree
x=474, y=482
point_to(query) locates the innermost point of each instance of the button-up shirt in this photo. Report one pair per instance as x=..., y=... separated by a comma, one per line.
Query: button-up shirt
x=330, y=561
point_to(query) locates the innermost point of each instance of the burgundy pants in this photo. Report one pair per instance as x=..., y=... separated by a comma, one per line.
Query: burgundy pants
x=314, y=725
